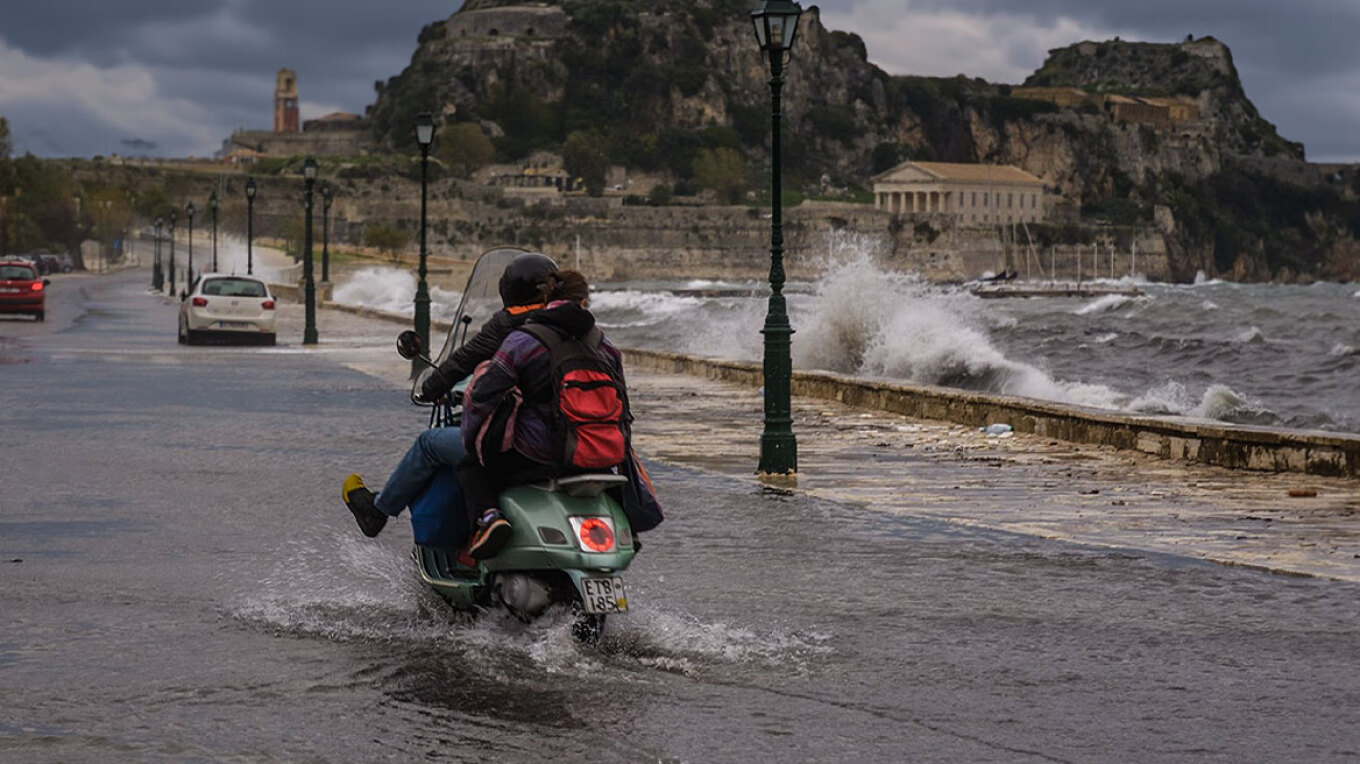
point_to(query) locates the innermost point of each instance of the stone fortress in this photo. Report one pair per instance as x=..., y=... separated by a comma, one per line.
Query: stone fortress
x=528, y=21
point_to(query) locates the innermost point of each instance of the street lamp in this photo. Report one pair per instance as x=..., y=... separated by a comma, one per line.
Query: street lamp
x=308, y=180
x=174, y=215
x=776, y=21
x=327, y=196
x=157, y=276
x=250, y=224
x=108, y=223
x=212, y=204
x=424, y=137
x=189, y=279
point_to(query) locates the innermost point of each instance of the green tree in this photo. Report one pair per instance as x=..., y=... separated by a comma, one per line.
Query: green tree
x=661, y=195
x=151, y=201
x=465, y=149
x=6, y=145
x=387, y=239
x=585, y=158
x=724, y=171
x=292, y=232
x=108, y=211
x=43, y=201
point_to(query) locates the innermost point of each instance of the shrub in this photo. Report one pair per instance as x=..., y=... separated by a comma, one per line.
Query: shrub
x=387, y=239
x=724, y=171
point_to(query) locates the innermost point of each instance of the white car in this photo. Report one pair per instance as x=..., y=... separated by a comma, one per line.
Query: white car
x=227, y=306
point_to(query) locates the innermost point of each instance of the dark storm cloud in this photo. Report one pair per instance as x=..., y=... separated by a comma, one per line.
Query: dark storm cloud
x=80, y=76
x=1305, y=37
x=219, y=56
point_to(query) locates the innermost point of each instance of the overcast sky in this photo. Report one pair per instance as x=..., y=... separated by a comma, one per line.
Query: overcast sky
x=174, y=78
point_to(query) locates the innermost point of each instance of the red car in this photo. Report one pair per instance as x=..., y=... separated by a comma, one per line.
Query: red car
x=21, y=290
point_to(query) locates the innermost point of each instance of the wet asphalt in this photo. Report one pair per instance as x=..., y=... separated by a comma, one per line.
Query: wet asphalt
x=178, y=581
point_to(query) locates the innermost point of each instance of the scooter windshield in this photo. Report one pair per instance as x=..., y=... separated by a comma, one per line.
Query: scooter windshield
x=481, y=298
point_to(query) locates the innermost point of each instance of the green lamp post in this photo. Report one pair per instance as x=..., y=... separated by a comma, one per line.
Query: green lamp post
x=173, y=216
x=327, y=196
x=212, y=204
x=309, y=170
x=250, y=225
x=189, y=277
x=157, y=277
x=424, y=137
x=776, y=21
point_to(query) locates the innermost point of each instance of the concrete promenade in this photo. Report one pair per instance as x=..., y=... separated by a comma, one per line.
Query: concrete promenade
x=1025, y=483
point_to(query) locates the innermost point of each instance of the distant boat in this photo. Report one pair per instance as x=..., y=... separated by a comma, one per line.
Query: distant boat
x=1051, y=289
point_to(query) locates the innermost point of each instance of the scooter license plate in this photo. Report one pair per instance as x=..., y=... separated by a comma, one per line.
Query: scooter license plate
x=603, y=595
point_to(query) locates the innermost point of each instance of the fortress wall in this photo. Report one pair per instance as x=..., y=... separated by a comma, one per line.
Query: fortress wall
x=515, y=21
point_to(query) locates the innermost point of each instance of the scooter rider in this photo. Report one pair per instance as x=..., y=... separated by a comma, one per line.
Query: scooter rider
x=521, y=369
x=522, y=286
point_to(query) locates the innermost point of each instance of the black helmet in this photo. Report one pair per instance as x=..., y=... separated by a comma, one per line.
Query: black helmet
x=523, y=279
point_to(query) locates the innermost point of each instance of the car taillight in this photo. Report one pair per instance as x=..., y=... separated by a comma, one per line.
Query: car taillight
x=267, y=304
x=200, y=302
x=596, y=533
x=37, y=286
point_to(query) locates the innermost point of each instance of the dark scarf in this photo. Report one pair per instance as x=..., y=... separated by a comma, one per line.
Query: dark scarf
x=568, y=318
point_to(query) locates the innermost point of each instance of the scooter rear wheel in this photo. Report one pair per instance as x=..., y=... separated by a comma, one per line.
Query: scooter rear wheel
x=588, y=627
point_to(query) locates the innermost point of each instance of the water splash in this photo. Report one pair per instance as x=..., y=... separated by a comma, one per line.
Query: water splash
x=337, y=587
x=1221, y=402
x=392, y=290
x=1107, y=304
x=866, y=321
x=629, y=308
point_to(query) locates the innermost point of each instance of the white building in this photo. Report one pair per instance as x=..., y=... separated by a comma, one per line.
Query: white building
x=980, y=194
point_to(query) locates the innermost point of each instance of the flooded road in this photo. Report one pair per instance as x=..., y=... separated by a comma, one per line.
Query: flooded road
x=179, y=581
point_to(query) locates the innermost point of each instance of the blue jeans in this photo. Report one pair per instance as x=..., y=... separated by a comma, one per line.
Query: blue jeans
x=435, y=450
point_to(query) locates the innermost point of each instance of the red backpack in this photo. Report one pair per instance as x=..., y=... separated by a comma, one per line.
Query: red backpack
x=590, y=404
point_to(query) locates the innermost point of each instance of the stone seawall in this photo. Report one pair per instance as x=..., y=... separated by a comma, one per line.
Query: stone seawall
x=1201, y=442
x=1211, y=443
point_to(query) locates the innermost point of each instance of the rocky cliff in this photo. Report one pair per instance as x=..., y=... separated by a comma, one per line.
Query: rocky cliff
x=1120, y=129
x=661, y=83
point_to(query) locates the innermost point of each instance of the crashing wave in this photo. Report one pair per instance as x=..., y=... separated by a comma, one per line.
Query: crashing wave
x=392, y=290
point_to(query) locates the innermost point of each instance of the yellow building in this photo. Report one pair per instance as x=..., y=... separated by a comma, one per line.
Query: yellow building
x=981, y=194
x=1181, y=108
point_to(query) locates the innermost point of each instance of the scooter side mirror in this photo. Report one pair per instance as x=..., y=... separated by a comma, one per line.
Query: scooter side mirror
x=409, y=345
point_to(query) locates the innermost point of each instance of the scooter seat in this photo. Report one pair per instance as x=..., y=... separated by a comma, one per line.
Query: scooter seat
x=590, y=484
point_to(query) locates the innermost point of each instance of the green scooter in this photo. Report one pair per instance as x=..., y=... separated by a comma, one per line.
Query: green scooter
x=571, y=541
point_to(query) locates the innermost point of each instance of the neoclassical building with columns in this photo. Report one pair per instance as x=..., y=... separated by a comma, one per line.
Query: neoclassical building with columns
x=980, y=194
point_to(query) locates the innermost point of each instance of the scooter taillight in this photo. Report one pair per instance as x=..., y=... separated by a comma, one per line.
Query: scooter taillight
x=596, y=534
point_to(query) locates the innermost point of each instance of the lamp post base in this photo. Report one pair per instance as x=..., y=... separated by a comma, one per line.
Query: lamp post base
x=778, y=454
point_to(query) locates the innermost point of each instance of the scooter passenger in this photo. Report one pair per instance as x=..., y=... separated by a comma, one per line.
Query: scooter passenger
x=522, y=286
x=521, y=371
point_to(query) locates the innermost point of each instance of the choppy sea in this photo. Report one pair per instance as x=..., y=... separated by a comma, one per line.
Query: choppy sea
x=1265, y=354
